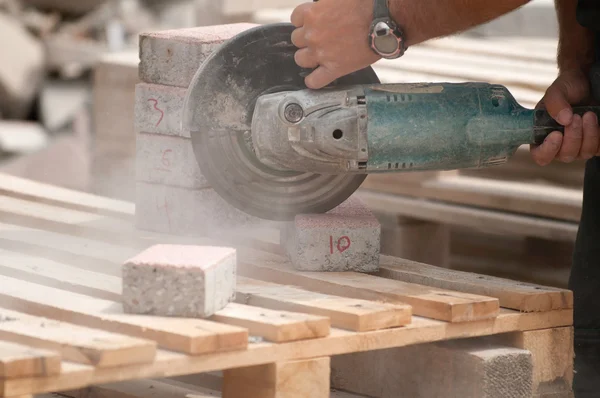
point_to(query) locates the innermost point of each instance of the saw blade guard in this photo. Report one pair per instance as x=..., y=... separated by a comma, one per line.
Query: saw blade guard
x=218, y=113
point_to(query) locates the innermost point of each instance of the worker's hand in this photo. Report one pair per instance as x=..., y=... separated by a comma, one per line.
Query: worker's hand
x=581, y=139
x=332, y=36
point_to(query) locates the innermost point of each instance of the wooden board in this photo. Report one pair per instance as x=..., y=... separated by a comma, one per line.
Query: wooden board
x=299, y=316
x=18, y=361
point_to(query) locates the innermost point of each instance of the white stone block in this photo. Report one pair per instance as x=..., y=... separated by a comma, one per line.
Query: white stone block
x=159, y=109
x=168, y=160
x=180, y=281
x=347, y=238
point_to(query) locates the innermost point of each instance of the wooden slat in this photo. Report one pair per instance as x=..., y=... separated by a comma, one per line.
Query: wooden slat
x=99, y=256
x=50, y=194
x=194, y=336
x=54, y=274
x=425, y=301
x=74, y=343
x=485, y=221
x=345, y=313
x=512, y=294
x=146, y=388
x=510, y=196
x=275, y=326
x=71, y=376
x=168, y=364
x=278, y=326
x=22, y=361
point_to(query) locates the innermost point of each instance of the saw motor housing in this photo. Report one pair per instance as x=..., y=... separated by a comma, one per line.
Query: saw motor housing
x=390, y=128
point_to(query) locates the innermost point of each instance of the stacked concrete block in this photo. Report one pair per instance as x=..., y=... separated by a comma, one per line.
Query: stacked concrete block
x=179, y=281
x=172, y=195
x=113, y=153
x=347, y=238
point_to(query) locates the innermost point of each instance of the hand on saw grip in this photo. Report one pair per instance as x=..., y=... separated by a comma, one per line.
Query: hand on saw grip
x=581, y=138
x=332, y=39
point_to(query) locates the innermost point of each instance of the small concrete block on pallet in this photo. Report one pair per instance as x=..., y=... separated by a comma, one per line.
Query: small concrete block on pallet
x=181, y=211
x=172, y=57
x=168, y=160
x=347, y=238
x=180, y=281
x=159, y=109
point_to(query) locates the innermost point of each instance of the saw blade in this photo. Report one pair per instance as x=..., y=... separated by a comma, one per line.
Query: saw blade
x=218, y=116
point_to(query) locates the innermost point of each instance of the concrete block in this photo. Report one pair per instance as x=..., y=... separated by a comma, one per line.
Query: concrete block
x=192, y=212
x=159, y=109
x=172, y=57
x=347, y=238
x=465, y=368
x=168, y=160
x=21, y=69
x=179, y=281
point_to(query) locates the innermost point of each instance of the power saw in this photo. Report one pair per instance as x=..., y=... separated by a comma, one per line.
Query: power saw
x=273, y=148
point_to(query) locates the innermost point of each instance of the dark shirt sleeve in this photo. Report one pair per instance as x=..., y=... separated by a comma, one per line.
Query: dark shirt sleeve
x=588, y=14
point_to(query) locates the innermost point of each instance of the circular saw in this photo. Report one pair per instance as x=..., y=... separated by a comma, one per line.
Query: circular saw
x=274, y=149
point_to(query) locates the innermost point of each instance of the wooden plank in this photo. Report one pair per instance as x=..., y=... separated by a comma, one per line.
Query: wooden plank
x=21, y=361
x=169, y=364
x=89, y=254
x=512, y=294
x=50, y=194
x=193, y=336
x=293, y=379
x=345, y=313
x=71, y=376
x=74, y=343
x=485, y=221
x=425, y=301
x=53, y=274
x=146, y=388
x=511, y=196
x=273, y=325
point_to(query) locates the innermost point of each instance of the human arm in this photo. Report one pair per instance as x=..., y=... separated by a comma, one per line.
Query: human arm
x=581, y=138
x=332, y=34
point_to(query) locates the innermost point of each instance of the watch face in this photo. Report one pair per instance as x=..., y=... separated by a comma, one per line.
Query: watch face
x=387, y=44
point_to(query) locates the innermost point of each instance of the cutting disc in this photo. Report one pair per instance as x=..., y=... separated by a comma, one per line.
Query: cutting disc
x=218, y=114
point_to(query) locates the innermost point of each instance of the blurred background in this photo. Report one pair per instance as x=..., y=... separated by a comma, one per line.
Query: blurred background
x=68, y=71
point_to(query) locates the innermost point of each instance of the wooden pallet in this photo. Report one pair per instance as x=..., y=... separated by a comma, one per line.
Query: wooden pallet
x=62, y=327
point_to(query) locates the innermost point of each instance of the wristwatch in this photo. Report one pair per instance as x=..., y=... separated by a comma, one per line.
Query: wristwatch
x=385, y=36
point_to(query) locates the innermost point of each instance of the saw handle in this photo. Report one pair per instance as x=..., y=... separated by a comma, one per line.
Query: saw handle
x=544, y=124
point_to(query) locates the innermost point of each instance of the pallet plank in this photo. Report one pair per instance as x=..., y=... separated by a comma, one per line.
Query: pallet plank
x=426, y=301
x=75, y=343
x=275, y=326
x=512, y=294
x=53, y=274
x=345, y=313
x=21, y=361
x=421, y=330
x=71, y=376
x=27, y=189
x=193, y=336
x=145, y=388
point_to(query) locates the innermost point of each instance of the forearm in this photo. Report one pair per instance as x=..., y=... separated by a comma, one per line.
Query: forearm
x=423, y=20
x=576, y=43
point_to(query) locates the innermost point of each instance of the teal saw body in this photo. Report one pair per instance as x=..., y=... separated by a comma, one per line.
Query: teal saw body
x=273, y=148
x=443, y=126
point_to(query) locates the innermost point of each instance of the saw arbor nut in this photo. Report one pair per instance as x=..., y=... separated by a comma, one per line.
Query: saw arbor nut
x=293, y=113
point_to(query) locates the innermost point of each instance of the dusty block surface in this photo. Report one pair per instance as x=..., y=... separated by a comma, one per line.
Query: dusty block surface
x=181, y=211
x=168, y=160
x=179, y=280
x=468, y=368
x=347, y=238
x=159, y=109
x=172, y=57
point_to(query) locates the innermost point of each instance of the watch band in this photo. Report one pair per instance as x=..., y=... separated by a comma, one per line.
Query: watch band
x=380, y=9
